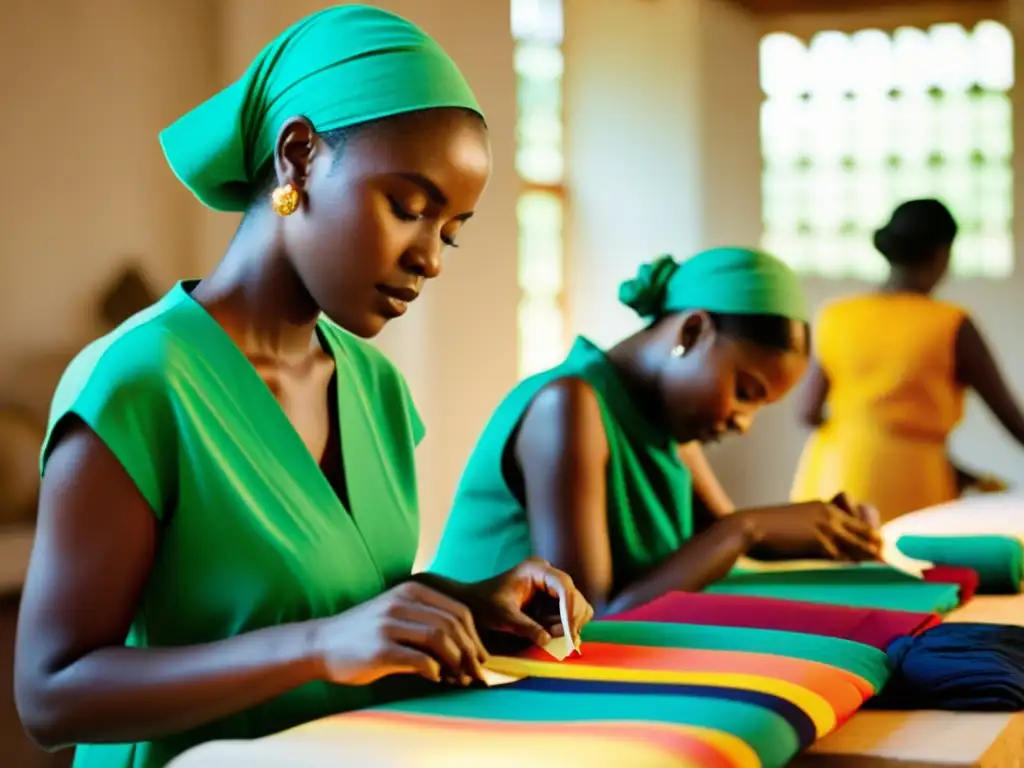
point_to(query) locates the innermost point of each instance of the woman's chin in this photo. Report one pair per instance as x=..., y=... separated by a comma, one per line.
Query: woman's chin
x=365, y=326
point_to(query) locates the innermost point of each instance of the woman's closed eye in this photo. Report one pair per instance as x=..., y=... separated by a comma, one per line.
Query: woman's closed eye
x=403, y=213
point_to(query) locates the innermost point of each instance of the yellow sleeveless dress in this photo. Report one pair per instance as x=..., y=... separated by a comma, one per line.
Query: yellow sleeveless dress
x=893, y=399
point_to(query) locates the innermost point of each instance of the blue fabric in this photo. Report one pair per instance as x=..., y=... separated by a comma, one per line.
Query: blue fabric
x=961, y=667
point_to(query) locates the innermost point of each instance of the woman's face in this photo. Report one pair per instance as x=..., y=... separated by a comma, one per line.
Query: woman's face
x=720, y=382
x=379, y=210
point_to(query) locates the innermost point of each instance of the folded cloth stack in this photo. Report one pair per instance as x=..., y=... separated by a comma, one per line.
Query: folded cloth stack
x=867, y=585
x=998, y=560
x=870, y=626
x=962, y=667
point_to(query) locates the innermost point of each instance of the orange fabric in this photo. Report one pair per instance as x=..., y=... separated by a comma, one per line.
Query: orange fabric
x=890, y=360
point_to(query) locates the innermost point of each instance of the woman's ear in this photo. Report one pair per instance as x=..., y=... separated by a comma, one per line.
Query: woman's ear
x=696, y=327
x=293, y=153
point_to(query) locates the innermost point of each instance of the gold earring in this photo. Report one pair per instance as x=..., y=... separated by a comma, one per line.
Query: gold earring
x=678, y=350
x=285, y=199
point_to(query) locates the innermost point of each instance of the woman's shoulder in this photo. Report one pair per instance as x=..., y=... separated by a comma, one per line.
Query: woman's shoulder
x=135, y=358
x=897, y=306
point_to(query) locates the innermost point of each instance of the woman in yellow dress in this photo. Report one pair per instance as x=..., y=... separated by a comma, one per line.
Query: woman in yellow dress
x=887, y=385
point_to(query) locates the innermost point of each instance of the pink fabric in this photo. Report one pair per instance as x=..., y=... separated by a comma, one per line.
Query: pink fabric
x=870, y=626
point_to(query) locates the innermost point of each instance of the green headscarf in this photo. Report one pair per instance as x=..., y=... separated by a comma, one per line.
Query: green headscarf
x=339, y=67
x=733, y=281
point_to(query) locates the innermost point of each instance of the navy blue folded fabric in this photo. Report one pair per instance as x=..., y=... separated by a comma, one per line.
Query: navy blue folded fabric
x=961, y=667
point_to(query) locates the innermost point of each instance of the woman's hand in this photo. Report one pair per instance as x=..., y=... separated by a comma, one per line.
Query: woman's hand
x=837, y=529
x=411, y=629
x=989, y=484
x=526, y=600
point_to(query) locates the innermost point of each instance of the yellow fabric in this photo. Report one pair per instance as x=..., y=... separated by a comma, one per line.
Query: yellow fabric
x=385, y=747
x=893, y=400
x=815, y=706
x=519, y=743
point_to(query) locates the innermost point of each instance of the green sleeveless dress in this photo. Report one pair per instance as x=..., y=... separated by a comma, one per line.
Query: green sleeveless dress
x=252, y=533
x=648, y=487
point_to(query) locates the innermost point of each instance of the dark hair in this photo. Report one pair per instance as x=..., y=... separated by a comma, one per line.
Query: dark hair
x=916, y=230
x=774, y=332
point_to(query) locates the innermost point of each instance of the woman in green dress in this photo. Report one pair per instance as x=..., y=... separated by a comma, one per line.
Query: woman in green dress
x=228, y=516
x=581, y=464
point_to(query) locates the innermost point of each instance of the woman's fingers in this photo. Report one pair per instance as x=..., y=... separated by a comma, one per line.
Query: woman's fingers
x=445, y=617
x=559, y=585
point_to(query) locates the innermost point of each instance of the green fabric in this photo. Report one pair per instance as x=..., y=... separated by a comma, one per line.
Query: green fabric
x=766, y=732
x=729, y=281
x=858, y=586
x=998, y=560
x=252, y=533
x=863, y=660
x=337, y=68
x=649, y=496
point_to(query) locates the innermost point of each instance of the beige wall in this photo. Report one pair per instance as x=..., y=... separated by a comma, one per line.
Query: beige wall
x=87, y=85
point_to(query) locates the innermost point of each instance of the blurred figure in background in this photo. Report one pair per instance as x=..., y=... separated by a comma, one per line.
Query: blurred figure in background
x=890, y=371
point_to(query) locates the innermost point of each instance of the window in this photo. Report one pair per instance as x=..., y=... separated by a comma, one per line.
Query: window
x=852, y=125
x=537, y=29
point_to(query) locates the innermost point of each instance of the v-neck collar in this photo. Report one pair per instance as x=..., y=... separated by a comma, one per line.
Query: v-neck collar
x=282, y=439
x=271, y=415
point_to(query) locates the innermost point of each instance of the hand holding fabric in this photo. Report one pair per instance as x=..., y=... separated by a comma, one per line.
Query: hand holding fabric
x=837, y=530
x=410, y=629
x=989, y=484
x=525, y=601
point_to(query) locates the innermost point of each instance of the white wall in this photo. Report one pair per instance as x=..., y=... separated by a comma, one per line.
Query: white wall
x=632, y=148
x=759, y=468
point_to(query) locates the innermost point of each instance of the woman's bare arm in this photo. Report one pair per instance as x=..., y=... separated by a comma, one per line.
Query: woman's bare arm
x=75, y=682
x=562, y=452
x=705, y=483
x=813, y=393
x=976, y=368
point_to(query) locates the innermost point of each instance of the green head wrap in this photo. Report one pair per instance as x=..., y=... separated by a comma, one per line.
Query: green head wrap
x=729, y=281
x=337, y=68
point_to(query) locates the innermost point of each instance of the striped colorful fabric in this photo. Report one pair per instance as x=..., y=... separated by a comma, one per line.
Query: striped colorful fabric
x=649, y=693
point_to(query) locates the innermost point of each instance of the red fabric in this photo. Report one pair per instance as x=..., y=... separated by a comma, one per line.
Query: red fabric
x=948, y=574
x=870, y=626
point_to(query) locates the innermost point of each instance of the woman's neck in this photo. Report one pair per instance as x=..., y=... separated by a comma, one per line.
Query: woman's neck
x=902, y=282
x=631, y=359
x=255, y=294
